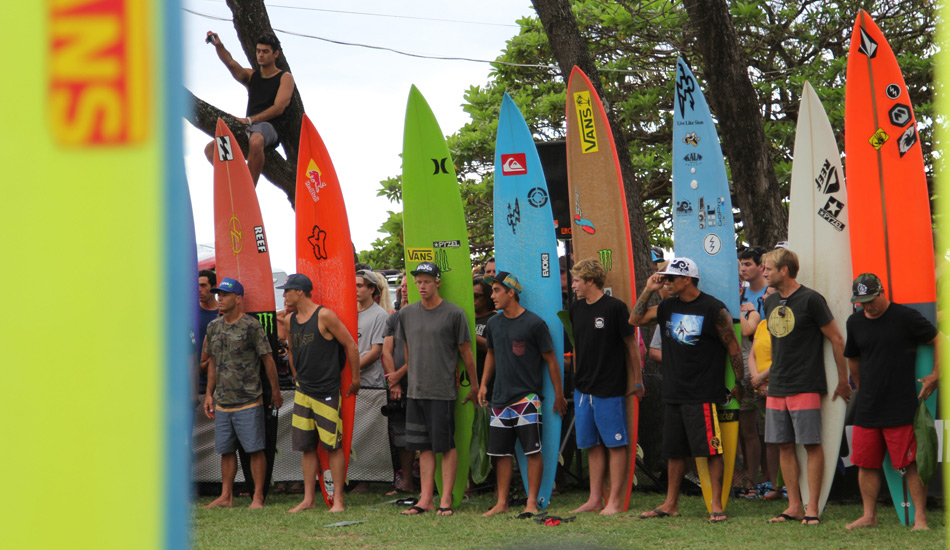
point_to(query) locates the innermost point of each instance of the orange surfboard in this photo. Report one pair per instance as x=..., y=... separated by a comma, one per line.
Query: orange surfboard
x=601, y=226
x=891, y=232
x=325, y=254
x=241, y=252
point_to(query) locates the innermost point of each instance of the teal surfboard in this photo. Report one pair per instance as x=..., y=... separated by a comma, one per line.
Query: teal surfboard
x=526, y=245
x=434, y=230
x=703, y=231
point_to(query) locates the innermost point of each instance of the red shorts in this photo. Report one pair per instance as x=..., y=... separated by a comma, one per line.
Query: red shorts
x=868, y=446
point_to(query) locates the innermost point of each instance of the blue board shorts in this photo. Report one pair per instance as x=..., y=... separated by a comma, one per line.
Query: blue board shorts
x=265, y=129
x=600, y=420
x=244, y=425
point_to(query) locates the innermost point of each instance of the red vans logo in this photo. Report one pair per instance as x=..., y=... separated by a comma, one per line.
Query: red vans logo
x=513, y=165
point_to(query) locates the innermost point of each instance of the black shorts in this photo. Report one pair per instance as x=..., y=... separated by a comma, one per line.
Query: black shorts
x=520, y=421
x=691, y=430
x=430, y=425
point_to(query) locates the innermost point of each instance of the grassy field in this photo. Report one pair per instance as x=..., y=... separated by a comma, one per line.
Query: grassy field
x=383, y=527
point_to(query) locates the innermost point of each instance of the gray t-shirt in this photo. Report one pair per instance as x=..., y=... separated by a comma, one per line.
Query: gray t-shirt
x=434, y=336
x=399, y=345
x=517, y=345
x=372, y=324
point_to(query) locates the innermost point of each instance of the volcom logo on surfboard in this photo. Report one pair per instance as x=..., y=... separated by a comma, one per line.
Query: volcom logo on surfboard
x=224, y=148
x=868, y=46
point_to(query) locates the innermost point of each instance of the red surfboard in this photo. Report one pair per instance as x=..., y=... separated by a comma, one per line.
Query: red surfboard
x=325, y=254
x=241, y=252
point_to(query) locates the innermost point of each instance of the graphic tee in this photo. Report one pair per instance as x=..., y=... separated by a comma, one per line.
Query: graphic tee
x=434, y=336
x=887, y=347
x=517, y=345
x=236, y=350
x=795, y=323
x=694, y=358
x=600, y=354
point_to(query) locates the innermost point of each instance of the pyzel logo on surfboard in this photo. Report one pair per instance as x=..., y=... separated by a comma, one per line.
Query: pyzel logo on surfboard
x=827, y=180
x=831, y=211
x=224, y=148
x=514, y=164
x=868, y=46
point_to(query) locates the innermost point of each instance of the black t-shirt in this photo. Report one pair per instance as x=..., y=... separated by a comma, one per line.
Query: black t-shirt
x=600, y=354
x=887, y=347
x=694, y=358
x=481, y=324
x=798, y=364
x=517, y=344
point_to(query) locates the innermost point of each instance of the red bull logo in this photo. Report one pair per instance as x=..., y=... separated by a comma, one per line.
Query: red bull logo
x=314, y=183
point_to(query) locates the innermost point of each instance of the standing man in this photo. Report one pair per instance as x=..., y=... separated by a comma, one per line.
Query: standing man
x=436, y=334
x=519, y=345
x=697, y=333
x=369, y=429
x=751, y=422
x=320, y=345
x=207, y=312
x=484, y=310
x=236, y=342
x=605, y=354
x=269, y=90
x=798, y=321
x=394, y=365
x=882, y=353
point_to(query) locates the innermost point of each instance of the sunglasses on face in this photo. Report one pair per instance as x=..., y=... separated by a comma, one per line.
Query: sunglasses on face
x=671, y=278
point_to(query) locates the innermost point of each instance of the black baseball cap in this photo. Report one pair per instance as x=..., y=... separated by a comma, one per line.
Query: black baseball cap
x=298, y=281
x=427, y=268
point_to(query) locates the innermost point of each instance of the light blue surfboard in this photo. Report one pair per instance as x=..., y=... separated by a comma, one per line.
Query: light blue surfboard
x=703, y=231
x=526, y=246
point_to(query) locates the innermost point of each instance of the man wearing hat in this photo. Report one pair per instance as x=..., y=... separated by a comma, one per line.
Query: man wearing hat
x=605, y=355
x=519, y=345
x=236, y=343
x=436, y=333
x=799, y=321
x=696, y=332
x=881, y=348
x=320, y=345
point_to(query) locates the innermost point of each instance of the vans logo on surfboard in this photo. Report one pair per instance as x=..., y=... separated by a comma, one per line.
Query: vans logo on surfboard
x=514, y=164
x=585, y=122
x=420, y=255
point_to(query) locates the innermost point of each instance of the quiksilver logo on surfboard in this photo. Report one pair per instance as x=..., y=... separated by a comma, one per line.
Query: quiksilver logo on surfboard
x=514, y=164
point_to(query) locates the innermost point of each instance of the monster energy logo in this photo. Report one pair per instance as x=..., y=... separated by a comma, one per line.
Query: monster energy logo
x=607, y=258
x=442, y=260
x=267, y=321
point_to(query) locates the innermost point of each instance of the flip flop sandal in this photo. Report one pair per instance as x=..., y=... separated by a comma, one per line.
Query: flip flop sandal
x=783, y=518
x=718, y=517
x=657, y=513
x=414, y=511
x=811, y=520
x=445, y=511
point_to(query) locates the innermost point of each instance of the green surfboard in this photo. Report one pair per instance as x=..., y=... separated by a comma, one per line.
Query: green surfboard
x=434, y=230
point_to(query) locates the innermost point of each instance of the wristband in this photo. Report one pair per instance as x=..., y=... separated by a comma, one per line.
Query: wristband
x=638, y=385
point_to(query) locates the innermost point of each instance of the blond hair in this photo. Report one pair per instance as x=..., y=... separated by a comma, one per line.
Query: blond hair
x=783, y=257
x=590, y=270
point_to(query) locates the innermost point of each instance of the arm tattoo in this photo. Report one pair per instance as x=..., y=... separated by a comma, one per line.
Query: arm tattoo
x=640, y=308
x=728, y=337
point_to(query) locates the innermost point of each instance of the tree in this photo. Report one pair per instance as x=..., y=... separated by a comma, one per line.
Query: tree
x=251, y=22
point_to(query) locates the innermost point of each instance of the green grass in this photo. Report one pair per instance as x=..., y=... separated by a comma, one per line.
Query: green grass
x=384, y=528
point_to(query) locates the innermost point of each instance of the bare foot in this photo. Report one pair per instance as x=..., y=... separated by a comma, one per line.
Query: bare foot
x=587, y=507
x=920, y=526
x=337, y=506
x=532, y=509
x=610, y=510
x=305, y=505
x=256, y=505
x=360, y=488
x=862, y=521
x=496, y=509
x=221, y=502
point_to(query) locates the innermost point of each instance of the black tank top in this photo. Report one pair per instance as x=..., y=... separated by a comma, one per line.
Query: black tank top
x=261, y=94
x=318, y=361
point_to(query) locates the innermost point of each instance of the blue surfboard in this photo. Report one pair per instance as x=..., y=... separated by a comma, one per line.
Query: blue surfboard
x=526, y=246
x=704, y=231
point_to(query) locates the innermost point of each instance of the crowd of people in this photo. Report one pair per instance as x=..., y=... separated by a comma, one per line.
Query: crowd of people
x=412, y=351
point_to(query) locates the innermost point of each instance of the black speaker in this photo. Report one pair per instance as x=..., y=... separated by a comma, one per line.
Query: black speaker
x=553, y=156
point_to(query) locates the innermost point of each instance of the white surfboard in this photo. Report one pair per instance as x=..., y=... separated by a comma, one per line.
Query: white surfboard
x=818, y=233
